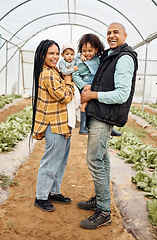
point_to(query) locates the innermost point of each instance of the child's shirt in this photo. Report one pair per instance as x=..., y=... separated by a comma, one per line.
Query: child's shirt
x=63, y=66
x=86, y=71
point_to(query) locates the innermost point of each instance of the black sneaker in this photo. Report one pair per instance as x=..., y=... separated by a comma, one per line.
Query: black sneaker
x=98, y=219
x=44, y=205
x=59, y=198
x=88, y=205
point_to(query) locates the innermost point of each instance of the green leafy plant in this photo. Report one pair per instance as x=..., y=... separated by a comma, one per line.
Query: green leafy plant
x=142, y=181
x=152, y=119
x=6, y=181
x=15, y=129
x=133, y=151
x=153, y=105
x=146, y=183
x=6, y=99
x=152, y=209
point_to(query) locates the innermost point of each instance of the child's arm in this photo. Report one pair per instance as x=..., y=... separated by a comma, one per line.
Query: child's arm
x=65, y=70
x=83, y=58
x=78, y=80
x=76, y=75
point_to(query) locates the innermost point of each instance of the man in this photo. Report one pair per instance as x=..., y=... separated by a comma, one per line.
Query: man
x=109, y=102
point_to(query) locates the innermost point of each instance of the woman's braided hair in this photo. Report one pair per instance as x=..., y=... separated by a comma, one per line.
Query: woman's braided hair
x=39, y=59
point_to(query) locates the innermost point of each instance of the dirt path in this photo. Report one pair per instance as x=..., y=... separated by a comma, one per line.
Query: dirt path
x=20, y=220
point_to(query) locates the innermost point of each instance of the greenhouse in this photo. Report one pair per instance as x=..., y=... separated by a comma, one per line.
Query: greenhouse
x=110, y=170
x=23, y=24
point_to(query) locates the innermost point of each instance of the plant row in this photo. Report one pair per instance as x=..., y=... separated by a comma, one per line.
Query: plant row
x=6, y=99
x=15, y=129
x=153, y=105
x=141, y=156
x=148, y=184
x=152, y=119
x=132, y=150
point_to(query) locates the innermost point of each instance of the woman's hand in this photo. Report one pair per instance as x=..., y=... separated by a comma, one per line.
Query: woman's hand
x=67, y=78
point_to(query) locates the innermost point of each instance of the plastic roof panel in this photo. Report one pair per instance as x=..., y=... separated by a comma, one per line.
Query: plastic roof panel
x=23, y=19
x=139, y=17
x=24, y=23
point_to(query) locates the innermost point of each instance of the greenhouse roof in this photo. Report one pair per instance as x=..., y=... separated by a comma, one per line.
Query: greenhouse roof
x=20, y=20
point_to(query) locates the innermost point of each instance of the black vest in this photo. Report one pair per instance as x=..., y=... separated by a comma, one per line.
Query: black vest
x=115, y=114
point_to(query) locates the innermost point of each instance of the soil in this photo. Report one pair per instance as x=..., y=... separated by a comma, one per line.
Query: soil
x=20, y=220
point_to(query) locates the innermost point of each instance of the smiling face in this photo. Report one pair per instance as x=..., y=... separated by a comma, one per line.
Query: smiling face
x=68, y=55
x=88, y=51
x=116, y=35
x=52, y=56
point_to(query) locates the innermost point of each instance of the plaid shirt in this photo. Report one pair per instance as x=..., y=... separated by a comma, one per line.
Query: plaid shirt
x=53, y=95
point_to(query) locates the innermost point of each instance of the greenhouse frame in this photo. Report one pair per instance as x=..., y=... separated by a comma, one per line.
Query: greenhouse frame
x=23, y=24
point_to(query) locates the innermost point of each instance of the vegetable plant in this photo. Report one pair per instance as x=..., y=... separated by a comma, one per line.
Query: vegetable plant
x=153, y=105
x=152, y=119
x=146, y=183
x=6, y=99
x=133, y=151
x=140, y=155
x=152, y=209
x=6, y=181
x=15, y=129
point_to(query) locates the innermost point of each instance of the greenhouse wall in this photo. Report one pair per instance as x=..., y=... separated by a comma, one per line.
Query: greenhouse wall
x=24, y=23
x=9, y=80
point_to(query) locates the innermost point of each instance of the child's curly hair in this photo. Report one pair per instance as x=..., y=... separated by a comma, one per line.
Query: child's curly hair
x=93, y=40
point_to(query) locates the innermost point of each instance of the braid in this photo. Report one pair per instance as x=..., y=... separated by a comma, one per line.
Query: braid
x=39, y=59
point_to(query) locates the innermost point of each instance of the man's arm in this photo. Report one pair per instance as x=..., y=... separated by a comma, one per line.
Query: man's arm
x=123, y=80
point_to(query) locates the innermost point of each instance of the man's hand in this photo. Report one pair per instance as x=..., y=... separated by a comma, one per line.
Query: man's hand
x=87, y=87
x=88, y=95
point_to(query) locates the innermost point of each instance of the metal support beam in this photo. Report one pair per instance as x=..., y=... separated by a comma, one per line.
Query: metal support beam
x=6, y=70
x=23, y=81
x=145, y=71
x=71, y=33
x=18, y=87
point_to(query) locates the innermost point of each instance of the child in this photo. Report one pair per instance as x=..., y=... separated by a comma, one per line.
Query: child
x=67, y=67
x=90, y=48
x=67, y=64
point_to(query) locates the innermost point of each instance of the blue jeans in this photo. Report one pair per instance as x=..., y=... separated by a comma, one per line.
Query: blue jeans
x=98, y=161
x=53, y=163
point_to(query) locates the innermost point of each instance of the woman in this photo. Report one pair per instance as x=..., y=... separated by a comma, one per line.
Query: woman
x=51, y=94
